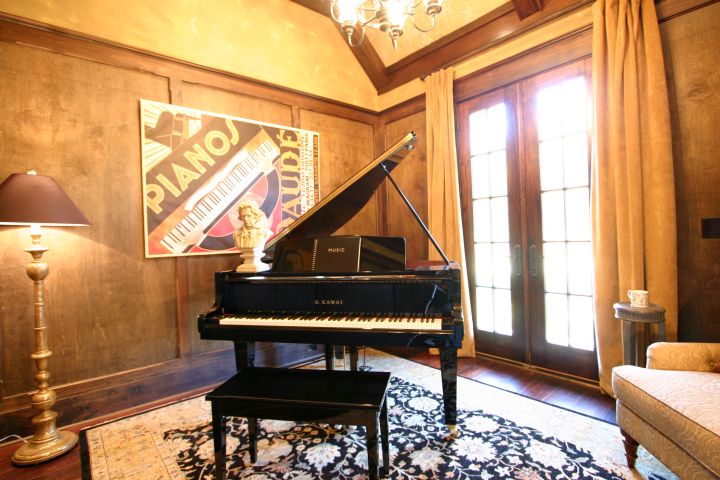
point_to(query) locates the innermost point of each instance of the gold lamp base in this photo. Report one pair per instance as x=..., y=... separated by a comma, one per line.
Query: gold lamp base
x=48, y=442
x=40, y=451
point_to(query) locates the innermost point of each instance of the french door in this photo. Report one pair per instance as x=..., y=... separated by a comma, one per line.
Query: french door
x=524, y=172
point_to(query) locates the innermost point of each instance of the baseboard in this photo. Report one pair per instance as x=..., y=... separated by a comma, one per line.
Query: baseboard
x=100, y=396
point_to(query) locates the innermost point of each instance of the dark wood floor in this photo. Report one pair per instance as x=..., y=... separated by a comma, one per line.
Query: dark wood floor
x=525, y=381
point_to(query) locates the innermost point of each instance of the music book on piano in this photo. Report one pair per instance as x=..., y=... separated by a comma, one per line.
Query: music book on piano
x=348, y=253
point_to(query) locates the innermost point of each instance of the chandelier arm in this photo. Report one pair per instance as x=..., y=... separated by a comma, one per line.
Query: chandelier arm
x=369, y=20
x=432, y=24
x=332, y=12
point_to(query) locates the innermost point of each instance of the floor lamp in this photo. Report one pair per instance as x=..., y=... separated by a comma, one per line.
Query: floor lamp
x=35, y=200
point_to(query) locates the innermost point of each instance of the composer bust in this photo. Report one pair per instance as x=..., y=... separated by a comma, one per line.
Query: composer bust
x=250, y=238
x=251, y=234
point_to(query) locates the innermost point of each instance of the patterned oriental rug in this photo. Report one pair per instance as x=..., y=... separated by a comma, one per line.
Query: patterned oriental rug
x=502, y=435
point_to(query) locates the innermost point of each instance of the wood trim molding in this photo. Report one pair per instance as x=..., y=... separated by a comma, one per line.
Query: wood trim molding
x=525, y=8
x=402, y=110
x=667, y=9
x=552, y=54
x=88, y=47
x=320, y=6
x=182, y=313
x=100, y=396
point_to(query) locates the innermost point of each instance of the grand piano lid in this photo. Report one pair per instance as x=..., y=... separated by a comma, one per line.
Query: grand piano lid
x=336, y=209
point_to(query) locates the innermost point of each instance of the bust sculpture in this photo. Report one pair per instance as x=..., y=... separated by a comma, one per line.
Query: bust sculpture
x=250, y=238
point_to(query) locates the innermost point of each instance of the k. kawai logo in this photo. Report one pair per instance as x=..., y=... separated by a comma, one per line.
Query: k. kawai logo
x=328, y=301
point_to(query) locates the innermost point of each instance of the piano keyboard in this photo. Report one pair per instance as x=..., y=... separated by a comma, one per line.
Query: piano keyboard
x=364, y=322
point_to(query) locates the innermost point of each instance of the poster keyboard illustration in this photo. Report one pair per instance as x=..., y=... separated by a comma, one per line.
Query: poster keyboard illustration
x=198, y=166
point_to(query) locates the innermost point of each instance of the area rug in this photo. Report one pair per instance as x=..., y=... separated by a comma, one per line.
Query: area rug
x=502, y=435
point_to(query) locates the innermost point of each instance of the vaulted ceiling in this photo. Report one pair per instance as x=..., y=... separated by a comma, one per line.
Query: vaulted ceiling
x=464, y=28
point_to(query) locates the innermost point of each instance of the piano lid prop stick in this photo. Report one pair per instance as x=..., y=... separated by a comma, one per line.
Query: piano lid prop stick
x=415, y=214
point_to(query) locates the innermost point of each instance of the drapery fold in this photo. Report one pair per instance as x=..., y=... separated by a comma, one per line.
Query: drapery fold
x=633, y=186
x=444, y=217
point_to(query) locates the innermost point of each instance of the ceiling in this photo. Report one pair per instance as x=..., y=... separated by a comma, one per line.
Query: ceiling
x=463, y=28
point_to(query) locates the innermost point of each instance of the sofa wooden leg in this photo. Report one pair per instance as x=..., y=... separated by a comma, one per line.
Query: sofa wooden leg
x=631, y=447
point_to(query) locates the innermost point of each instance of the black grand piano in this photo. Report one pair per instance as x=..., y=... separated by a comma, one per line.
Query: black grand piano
x=379, y=304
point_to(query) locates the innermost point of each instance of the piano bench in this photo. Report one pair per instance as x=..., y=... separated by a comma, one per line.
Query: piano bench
x=316, y=396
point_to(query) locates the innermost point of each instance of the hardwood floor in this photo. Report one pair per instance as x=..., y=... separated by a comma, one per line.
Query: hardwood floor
x=525, y=381
x=555, y=390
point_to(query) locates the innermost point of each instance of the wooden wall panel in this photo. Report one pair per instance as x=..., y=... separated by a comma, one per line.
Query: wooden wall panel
x=411, y=176
x=236, y=104
x=693, y=70
x=201, y=283
x=345, y=147
x=109, y=309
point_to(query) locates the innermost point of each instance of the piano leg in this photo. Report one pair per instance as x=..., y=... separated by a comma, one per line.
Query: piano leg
x=329, y=357
x=448, y=370
x=244, y=355
x=219, y=432
x=353, y=349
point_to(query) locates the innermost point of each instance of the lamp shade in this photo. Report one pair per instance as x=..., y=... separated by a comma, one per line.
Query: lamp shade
x=28, y=198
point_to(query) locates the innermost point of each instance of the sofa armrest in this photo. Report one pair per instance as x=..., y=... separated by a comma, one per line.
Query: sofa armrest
x=698, y=357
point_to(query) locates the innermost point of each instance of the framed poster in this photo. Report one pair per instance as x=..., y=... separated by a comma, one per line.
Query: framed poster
x=197, y=167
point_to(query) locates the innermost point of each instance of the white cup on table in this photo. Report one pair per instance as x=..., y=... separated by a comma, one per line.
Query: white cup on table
x=638, y=298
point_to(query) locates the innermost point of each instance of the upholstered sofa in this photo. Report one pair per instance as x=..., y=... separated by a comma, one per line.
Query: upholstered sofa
x=672, y=407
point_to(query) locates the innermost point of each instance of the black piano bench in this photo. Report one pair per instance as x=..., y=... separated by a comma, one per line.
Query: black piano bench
x=315, y=396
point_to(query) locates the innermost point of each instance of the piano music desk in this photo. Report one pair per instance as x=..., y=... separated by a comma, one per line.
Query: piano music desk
x=318, y=396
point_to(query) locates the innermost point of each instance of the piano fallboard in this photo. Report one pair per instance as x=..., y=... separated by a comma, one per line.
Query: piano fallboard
x=369, y=293
x=343, y=298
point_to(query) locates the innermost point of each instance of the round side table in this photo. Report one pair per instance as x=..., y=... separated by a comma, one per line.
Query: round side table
x=634, y=318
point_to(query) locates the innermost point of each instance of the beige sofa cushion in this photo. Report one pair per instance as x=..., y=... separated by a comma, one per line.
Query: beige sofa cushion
x=684, y=406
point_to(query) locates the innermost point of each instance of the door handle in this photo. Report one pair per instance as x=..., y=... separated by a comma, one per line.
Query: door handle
x=535, y=260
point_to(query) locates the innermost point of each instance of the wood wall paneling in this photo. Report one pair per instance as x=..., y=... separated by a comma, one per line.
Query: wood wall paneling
x=345, y=147
x=693, y=70
x=108, y=307
x=238, y=104
x=411, y=177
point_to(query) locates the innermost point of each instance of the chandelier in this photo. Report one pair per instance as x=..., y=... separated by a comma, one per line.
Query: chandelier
x=388, y=16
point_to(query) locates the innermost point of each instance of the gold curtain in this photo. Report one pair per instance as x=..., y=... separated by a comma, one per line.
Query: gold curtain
x=633, y=187
x=444, y=220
